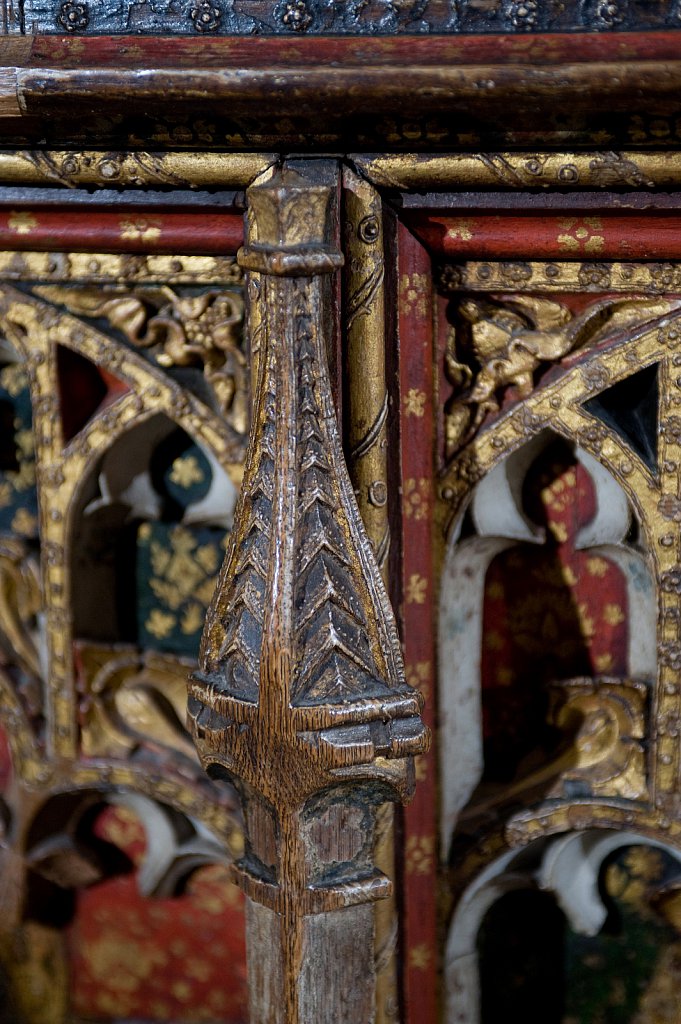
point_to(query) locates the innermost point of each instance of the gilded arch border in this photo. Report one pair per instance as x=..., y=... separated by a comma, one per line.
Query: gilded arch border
x=557, y=403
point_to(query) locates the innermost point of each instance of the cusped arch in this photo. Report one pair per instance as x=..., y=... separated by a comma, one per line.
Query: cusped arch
x=558, y=403
x=500, y=524
x=565, y=865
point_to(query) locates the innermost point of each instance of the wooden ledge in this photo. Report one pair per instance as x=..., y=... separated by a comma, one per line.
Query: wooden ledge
x=321, y=91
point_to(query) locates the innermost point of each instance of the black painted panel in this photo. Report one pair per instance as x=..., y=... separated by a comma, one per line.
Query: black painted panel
x=630, y=408
x=347, y=17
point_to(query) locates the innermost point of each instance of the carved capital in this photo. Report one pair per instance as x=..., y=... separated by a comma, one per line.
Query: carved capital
x=290, y=229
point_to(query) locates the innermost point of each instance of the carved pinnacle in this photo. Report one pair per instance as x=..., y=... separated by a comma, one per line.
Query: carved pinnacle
x=301, y=697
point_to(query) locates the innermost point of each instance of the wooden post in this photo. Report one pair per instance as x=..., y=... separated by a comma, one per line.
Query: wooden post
x=301, y=698
x=367, y=417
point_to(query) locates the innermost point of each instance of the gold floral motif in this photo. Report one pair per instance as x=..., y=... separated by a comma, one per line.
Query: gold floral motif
x=185, y=471
x=183, y=569
x=415, y=402
x=420, y=957
x=416, y=495
x=419, y=853
x=413, y=294
x=22, y=223
x=160, y=624
x=417, y=587
x=460, y=229
x=579, y=235
x=146, y=228
x=596, y=567
x=24, y=522
x=130, y=963
x=613, y=614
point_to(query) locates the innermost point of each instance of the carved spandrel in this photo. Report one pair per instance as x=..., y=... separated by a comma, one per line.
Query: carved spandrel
x=175, y=330
x=504, y=343
x=302, y=690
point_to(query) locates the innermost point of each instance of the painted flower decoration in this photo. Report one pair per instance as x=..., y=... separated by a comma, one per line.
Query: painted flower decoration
x=206, y=16
x=522, y=14
x=296, y=16
x=73, y=17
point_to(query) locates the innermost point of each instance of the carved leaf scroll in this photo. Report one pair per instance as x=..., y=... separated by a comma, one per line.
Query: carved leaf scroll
x=502, y=341
x=177, y=330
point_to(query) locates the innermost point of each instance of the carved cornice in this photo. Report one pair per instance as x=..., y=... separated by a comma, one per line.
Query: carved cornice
x=443, y=92
x=540, y=170
x=560, y=276
x=107, y=268
x=91, y=169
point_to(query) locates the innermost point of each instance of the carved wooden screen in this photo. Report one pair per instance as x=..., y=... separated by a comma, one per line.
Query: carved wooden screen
x=550, y=511
x=133, y=373
x=503, y=372
x=125, y=395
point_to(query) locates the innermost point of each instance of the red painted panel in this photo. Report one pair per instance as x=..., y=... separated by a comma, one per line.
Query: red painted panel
x=179, y=959
x=138, y=51
x=120, y=231
x=569, y=236
x=551, y=611
x=420, y=843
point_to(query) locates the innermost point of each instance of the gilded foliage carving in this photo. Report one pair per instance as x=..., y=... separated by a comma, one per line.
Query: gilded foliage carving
x=133, y=699
x=619, y=737
x=177, y=330
x=500, y=343
x=557, y=276
x=20, y=602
